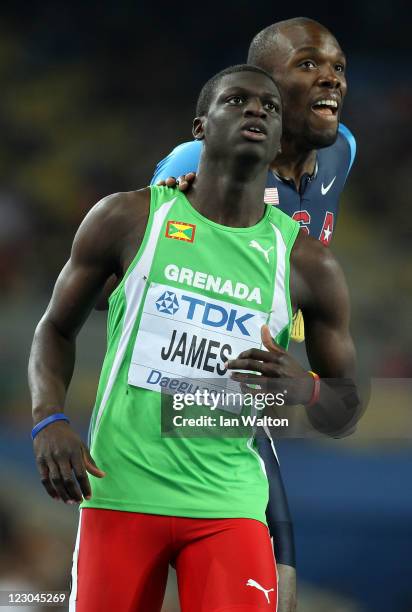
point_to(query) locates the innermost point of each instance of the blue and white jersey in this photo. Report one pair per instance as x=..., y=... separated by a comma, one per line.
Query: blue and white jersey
x=315, y=205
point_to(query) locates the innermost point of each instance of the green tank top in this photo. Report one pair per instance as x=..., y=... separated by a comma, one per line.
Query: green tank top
x=195, y=295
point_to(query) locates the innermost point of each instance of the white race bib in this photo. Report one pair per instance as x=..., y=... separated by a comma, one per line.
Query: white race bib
x=188, y=336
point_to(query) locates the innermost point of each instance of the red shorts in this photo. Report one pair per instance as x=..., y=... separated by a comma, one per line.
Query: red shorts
x=121, y=563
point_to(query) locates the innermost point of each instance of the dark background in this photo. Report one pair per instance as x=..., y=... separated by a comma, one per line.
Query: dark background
x=91, y=98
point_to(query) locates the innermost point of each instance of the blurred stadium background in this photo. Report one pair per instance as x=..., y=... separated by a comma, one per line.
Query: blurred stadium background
x=92, y=96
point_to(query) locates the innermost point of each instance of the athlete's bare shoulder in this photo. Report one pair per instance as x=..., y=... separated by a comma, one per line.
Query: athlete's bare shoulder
x=120, y=209
x=115, y=226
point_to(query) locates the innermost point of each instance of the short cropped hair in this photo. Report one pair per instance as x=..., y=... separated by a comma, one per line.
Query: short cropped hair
x=266, y=41
x=209, y=88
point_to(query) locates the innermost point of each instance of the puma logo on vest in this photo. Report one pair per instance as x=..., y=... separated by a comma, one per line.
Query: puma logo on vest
x=255, y=245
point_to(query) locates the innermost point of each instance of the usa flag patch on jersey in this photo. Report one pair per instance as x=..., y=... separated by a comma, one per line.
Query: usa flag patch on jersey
x=271, y=196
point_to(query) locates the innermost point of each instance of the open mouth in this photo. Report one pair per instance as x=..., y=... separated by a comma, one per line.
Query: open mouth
x=326, y=108
x=253, y=132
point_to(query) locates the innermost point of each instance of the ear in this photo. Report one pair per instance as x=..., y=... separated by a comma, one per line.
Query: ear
x=198, y=128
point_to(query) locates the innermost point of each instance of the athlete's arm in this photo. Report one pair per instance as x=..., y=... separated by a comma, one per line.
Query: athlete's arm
x=321, y=292
x=319, y=288
x=280, y=526
x=182, y=160
x=104, y=244
x=102, y=302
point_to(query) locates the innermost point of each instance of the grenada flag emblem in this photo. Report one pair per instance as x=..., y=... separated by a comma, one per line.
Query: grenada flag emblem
x=180, y=231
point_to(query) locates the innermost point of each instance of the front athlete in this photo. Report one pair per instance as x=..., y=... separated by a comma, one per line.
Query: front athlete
x=197, y=503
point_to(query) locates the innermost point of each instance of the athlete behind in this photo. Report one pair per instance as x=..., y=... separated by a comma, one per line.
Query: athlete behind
x=305, y=181
x=307, y=176
x=197, y=503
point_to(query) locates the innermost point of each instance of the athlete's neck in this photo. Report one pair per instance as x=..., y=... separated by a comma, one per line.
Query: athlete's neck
x=229, y=192
x=293, y=162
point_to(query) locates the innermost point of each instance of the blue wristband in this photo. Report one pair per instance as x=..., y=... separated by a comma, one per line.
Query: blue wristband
x=59, y=416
